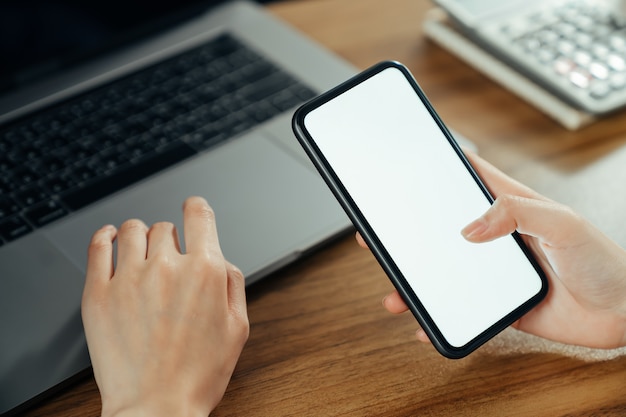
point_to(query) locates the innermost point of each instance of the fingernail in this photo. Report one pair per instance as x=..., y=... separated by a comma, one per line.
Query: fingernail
x=108, y=227
x=475, y=228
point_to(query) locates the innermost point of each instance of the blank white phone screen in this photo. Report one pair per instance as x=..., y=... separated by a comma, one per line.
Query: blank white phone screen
x=416, y=194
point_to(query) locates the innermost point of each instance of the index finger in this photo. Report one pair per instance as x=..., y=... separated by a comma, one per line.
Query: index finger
x=100, y=259
x=200, y=230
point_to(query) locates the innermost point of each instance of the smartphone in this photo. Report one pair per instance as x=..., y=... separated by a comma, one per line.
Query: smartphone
x=409, y=190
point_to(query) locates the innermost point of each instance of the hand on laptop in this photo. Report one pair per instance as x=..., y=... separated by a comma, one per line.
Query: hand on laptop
x=164, y=328
x=586, y=303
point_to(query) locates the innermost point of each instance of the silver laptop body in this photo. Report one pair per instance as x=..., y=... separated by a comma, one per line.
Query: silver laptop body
x=270, y=204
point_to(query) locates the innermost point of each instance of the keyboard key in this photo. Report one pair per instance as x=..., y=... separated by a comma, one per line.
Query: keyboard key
x=83, y=173
x=8, y=207
x=6, y=164
x=31, y=195
x=303, y=92
x=50, y=163
x=5, y=186
x=285, y=100
x=13, y=227
x=45, y=213
x=262, y=112
x=267, y=88
x=59, y=183
x=100, y=188
x=258, y=71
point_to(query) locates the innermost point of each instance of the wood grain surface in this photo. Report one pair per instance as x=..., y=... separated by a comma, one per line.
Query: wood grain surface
x=321, y=344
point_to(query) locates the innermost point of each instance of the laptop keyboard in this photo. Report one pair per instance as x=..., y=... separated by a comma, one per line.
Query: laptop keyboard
x=67, y=157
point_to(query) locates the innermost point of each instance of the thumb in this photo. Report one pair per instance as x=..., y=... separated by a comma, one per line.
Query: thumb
x=552, y=223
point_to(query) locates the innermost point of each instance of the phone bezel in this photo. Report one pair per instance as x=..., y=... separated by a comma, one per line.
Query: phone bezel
x=369, y=235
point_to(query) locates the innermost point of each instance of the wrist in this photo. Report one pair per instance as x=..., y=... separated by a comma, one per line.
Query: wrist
x=156, y=409
x=622, y=313
x=623, y=343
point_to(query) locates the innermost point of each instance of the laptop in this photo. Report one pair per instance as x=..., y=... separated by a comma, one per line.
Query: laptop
x=111, y=110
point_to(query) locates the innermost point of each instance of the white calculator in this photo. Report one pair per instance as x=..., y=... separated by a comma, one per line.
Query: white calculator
x=576, y=48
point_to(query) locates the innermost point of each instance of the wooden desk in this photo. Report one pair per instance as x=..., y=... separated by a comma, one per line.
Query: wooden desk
x=322, y=345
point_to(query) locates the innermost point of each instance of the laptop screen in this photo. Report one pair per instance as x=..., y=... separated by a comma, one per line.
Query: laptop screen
x=41, y=36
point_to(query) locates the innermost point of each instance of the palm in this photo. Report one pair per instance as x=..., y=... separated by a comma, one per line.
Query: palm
x=576, y=309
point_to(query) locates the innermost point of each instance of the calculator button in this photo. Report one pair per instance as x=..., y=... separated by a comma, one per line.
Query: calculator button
x=566, y=29
x=618, y=41
x=566, y=47
x=618, y=19
x=618, y=81
x=563, y=66
x=598, y=70
x=616, y=62
x=546, y=55
x=601, y=31
x=601, y=15
x=600, y=50
x=514, y=30
x=579, y=78
x=531, y=44
x=583, y=22
x=599, y=90
x=544, y=18
x=548, y=36
x=583, y=39
x=582, y=58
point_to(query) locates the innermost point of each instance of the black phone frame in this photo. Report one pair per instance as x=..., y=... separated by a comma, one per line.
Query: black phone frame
x=370, y=237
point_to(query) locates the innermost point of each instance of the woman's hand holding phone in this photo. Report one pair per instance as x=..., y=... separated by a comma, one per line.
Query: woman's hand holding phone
x=586, y=301
x=407, y=187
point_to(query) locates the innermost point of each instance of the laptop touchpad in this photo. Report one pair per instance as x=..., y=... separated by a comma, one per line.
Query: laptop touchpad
x=43, y=302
